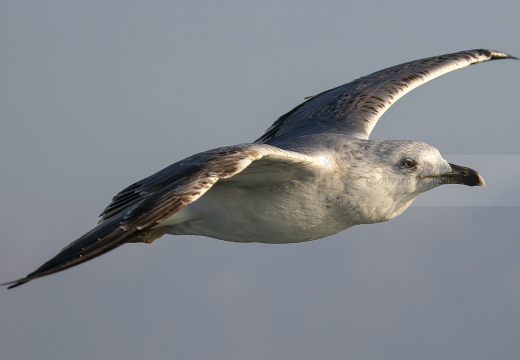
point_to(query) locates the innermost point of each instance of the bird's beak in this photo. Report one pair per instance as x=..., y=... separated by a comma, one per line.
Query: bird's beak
x=459, y=175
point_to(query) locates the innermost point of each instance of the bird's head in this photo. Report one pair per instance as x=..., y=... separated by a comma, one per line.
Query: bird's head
x=392, y=173
x=413, y=167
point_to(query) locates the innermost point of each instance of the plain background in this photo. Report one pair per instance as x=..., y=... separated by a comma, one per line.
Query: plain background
x=95, y=95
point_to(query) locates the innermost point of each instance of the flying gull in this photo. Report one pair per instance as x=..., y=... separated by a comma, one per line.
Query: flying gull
x=312, y=174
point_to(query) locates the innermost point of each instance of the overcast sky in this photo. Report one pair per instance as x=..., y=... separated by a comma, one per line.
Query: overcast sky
x=95, y=95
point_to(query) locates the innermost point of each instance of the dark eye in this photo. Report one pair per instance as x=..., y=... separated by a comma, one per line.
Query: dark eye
x=409, y=163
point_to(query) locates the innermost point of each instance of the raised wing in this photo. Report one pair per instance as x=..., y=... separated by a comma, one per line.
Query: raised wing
x=135, y=213
x=353, y=109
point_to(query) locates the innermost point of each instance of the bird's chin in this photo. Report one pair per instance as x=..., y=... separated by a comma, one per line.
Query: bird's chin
x=458, y=175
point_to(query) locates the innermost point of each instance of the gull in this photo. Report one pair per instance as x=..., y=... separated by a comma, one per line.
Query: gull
x=312, y=174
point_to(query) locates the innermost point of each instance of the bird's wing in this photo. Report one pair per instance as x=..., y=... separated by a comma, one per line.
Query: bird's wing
x=135, y=212
x=353, y=109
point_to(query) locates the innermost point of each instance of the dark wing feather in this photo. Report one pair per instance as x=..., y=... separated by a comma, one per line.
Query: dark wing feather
x=143, y=205
x=353, y=109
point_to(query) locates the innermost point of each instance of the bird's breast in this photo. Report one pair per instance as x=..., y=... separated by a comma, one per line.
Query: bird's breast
x=277, y=213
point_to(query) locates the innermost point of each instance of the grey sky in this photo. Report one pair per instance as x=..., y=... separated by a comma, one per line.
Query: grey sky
x=96, y=95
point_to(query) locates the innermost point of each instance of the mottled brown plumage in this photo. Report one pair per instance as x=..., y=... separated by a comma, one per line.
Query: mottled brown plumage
x=304, y=179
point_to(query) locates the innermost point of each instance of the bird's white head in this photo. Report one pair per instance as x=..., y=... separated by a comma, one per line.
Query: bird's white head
x=387, y=175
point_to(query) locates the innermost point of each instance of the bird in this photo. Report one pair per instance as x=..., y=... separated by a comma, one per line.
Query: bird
x=312, y=174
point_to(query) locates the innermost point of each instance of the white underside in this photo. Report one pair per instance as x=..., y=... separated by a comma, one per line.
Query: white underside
x=281, y=213
x=276, y=214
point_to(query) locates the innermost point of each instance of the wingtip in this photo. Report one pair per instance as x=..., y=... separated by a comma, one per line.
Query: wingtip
x=15, y=283
x=501, y=55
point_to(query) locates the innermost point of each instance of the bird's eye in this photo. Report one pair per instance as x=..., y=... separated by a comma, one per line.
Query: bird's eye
x=409, y=163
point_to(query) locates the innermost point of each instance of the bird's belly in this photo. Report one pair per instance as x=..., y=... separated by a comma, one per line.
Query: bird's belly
x=278, y=214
